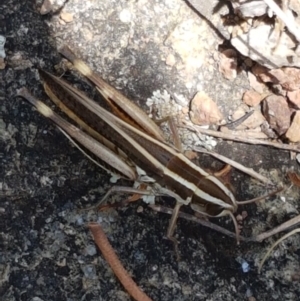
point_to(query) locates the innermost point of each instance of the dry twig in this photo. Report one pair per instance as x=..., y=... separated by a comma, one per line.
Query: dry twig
x=115, y=264
x=239, y=138
x=292, y=222
x=274, y=245
x=287, y=20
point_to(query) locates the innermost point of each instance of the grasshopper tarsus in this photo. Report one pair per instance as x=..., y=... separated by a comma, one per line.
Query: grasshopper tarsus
x=175, y=245
x=171, y=228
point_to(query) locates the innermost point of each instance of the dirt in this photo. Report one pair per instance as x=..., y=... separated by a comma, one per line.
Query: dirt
x=46, y=250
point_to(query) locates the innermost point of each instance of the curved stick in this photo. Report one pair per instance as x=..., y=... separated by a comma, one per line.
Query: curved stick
x=111, y=257
x=274, y=245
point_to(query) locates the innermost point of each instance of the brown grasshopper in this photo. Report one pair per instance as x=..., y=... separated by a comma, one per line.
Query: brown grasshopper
x=129, y=139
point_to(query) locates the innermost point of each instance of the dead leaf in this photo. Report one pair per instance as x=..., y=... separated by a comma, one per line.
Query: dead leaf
x=294, y=178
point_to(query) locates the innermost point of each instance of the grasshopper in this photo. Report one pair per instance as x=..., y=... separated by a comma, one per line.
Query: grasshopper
x=127, y=140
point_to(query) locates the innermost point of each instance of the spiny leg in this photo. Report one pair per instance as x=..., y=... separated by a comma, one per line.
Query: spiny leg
x=200, y=220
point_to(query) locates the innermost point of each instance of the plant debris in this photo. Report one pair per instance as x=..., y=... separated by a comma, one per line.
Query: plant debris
x=168, y=52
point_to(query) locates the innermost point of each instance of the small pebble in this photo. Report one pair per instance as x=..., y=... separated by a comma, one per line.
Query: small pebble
x=91, y=250
x=170, y=61
x=79, y=220
x=125, y=16
x=239, y=218
x=244, y=214
x=245, y=267
x=67, y=17
x=2, y=43
x=139, y=209
x=62, y=263
x=2, y=63
x=89, y=271
x=283, y=199
x=36, y=299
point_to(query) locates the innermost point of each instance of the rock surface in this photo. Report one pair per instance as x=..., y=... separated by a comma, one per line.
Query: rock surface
x=277, y=113
x=293, y=133
x=46, y=251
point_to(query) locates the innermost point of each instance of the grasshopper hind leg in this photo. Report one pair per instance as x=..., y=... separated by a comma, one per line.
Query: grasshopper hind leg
x=171, y=228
